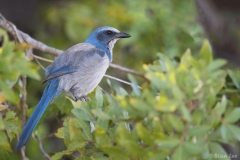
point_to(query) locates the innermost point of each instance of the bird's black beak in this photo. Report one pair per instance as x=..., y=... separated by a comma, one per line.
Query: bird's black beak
x=122, y=35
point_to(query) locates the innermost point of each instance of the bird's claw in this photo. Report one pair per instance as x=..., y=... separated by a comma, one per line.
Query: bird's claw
x=83, y=98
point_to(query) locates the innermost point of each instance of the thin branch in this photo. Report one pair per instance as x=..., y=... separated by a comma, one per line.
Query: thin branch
x=51, y=134
x=40, y=64
x=41, y=148
x=103, y=90
x=120, y=80
x=23, y=153
x=8, y=26
x=23, y=108
x=41, y=58
x=124, y=69
x=23, y=99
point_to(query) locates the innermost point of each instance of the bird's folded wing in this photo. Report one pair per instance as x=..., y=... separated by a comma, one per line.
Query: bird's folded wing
x=56, y=72
x=73, y=59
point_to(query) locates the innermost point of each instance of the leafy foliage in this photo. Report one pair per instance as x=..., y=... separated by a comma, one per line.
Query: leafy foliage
x=13, y=64
x=187, y=110
x=183, y=113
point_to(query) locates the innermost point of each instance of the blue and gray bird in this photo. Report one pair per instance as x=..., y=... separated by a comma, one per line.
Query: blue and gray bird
x=77, y=72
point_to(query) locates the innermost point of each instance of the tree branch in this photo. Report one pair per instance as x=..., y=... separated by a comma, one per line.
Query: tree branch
x=41, y=148
x=23, y=108
x=21, y=36
x=23, y=99
x=124, y=69
x=120, y=80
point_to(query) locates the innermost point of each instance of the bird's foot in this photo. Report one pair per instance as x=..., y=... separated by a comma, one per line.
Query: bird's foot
x=83, y=98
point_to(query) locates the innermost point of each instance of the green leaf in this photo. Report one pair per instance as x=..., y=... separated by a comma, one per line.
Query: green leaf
x=83, y=113
x=187, y=60
x=60, y=132
x=99, y=98
x=144, y=134
x=134, y=84
x=127, y=140
x=115, y=105
x=224, y=132
x=179, y=154
x=102, y=138
x=12, y=124
x=166, y=63
x=220, y=107
x=175, y=122
x=193, y=148
x=63, y=103
x=4, y=144
x=76, y=146
x=115, y=153
x=198, y=130
x=7, y=49
x=28, y=69
x=235, y=130
x=57, y=156
x=185, y=113
x=64, y=132
x=167, y=142
x=86, y=132
x=8, y=93
x=206, y=52
x=235, y=76
x=132, y=148
x=74, y=131
x=4, y=155
x=216, y=149
x=216, y=64
x=233, y=116
x=103, y=123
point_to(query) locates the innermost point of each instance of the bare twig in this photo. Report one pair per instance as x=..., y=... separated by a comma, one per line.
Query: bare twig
x=124, y=69
x=50, y=135
x=40, y=64
x=23, y=153
x=23, y=99
x=41, y=148
x=41, y=58
x=8, y=26
x=120, y=80
x=23, y=108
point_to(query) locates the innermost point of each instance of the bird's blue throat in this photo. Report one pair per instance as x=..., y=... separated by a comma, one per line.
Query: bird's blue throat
x=100, y=46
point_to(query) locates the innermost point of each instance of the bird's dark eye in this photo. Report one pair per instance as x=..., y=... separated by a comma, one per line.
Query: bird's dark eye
x=109, y=32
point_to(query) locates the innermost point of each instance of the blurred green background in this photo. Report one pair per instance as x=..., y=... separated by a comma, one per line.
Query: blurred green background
x=156, y=26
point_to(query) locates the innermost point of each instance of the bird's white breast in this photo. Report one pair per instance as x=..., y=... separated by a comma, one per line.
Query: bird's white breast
x=86, y=79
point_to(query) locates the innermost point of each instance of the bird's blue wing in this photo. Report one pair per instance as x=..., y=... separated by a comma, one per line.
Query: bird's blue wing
x=56, y=72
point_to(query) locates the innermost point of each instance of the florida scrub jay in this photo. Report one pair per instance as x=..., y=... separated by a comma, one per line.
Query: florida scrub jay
x=77, y=71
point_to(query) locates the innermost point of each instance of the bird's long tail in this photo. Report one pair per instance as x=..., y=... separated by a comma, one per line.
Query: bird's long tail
x=50, y=93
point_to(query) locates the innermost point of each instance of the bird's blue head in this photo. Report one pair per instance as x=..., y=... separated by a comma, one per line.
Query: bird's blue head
x=105, y=38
